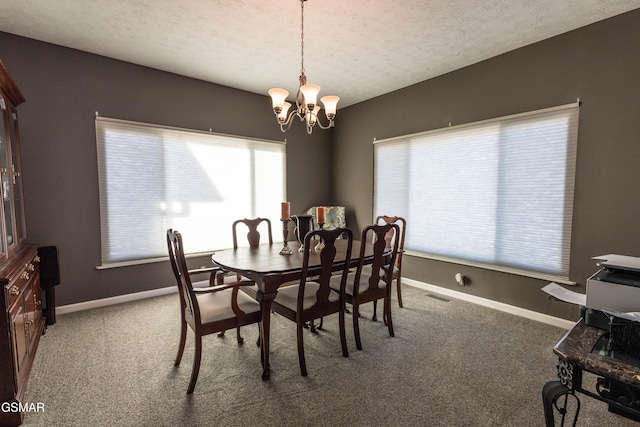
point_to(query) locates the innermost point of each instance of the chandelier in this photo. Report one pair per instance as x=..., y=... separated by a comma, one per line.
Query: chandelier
x=307, y=108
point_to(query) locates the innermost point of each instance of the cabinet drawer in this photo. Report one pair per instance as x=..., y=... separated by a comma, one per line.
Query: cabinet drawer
x=19, y=283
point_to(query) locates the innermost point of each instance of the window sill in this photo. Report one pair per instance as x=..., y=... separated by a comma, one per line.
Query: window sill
x=526, y=273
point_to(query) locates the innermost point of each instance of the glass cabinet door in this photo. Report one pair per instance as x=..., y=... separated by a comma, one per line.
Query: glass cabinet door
x=5, y=190
x=16, y=179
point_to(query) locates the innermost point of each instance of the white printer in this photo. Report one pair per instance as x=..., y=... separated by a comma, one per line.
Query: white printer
x=616, y=287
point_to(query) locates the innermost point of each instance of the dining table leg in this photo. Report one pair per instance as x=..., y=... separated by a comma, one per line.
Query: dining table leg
x=265, y=300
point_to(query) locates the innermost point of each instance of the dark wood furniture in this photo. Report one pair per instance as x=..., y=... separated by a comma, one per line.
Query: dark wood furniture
x=363, y=288
x=253, y=235
x=617, y=384
x=206, y=310
x=313, y=298
x=22, y=323
x=397, y=268
x=270, y=270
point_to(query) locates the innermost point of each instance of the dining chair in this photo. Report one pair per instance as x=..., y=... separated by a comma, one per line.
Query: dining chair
x=313, y=299
x=253, y=237
x=206, y=310
x=365, y=287
x=397, y=268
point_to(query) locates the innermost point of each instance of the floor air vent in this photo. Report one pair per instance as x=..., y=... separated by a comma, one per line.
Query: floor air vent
x=438, y=297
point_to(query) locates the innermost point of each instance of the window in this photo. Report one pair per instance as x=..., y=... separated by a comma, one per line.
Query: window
x=153, y=178
x=498, y=193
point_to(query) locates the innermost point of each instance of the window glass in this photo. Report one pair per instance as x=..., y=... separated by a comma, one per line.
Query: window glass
x=153, y=178
x=498, y=192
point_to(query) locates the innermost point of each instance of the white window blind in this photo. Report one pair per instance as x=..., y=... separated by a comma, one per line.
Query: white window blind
x=497, y=192
x=153, y=178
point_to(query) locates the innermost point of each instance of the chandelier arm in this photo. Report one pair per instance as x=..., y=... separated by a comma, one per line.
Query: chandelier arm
x=289, y=120
x=300, y=105
x=283, y=128
x=286, y=125
x=319, y=123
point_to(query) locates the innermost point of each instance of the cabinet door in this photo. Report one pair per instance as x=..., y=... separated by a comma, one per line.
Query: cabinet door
x=15, y=178
x=5, y=193
x=33, y=307
x=19, y=335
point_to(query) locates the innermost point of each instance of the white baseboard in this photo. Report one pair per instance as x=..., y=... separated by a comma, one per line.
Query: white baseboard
x=87, y=305
x=529, y=314
x=518, y=311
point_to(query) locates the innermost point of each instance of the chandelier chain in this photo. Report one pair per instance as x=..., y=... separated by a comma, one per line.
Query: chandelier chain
x=302, y=38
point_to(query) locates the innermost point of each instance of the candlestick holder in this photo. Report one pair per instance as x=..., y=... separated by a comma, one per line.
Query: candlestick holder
x=286, y=250
x=320, y=244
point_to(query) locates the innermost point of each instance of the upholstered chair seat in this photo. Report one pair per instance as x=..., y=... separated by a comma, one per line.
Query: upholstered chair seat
x=288, y=296
x=351, y=277
x=215, y=307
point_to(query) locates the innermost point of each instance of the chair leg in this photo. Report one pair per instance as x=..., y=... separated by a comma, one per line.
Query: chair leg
x=312, y=325
x=387, y=309
x=343, y=334
x=196, y=364
x=303, y=364
x=399, y=292
x=375, y=311
x=356, y=327
x=183, y=339
x=259, y=340
x=239, y=338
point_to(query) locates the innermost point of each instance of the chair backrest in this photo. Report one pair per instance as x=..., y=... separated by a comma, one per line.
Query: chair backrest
x=328, y=256
x=180, y=270
x=402, y=223
x=385, y=251
x=253, y=235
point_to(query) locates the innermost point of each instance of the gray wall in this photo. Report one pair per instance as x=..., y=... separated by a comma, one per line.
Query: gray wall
x=63, y=90
x=600, y=64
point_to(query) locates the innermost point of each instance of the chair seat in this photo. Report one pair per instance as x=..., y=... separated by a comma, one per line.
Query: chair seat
x=201, y=284
x=288, y=296
x=367, y=270
x=216, y=306
x=351, y=278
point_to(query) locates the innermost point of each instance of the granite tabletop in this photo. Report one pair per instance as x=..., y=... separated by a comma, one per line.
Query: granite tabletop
x=576, y=348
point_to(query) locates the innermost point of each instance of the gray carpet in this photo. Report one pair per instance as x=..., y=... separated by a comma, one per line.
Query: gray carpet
x=451, y=363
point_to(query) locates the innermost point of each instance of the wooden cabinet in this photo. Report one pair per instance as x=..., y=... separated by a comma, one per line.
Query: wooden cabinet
x=23, y=323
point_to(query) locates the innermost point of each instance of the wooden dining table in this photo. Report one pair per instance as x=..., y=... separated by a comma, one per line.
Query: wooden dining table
x=269, y=270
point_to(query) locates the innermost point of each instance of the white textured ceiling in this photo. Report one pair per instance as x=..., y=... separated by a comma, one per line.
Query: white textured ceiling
x=356, y=49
